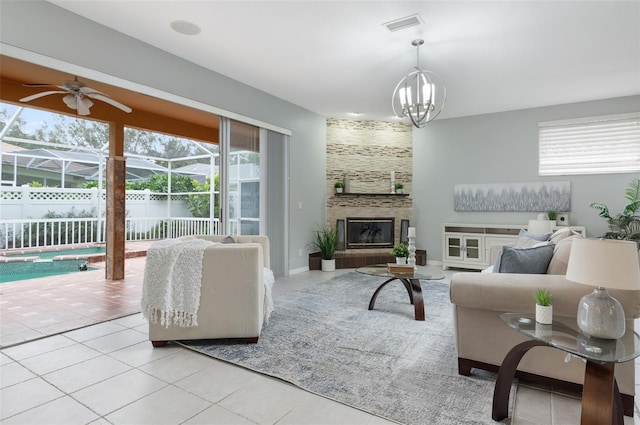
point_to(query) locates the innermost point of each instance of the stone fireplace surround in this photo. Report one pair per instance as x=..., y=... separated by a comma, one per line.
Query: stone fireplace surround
x=367, y=153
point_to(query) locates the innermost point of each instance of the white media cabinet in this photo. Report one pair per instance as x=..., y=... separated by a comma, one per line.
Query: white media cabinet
x=468, y=246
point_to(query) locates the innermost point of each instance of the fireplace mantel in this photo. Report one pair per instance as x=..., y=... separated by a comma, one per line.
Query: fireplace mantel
x=371, y=194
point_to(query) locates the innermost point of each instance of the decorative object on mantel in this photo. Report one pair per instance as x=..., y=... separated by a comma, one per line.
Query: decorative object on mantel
x=603, y=263
x=401, y=252
x=544, y=308
x=393, y=182
x=347, y=183
x=513, y=197
x=399, y=187
x=420, y=95
x=411, y=234
x=326, y=240
x=338, y=186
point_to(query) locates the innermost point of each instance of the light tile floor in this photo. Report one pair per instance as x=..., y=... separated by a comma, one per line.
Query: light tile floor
x=108, y=373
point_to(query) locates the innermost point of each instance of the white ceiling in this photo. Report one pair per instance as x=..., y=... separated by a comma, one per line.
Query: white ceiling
x=336, y=57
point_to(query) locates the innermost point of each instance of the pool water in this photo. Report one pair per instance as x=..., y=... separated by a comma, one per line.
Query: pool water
x=45, y=266
x=11, y=272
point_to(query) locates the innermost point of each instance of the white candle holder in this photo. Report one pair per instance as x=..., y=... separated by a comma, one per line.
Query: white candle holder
x=412, y=252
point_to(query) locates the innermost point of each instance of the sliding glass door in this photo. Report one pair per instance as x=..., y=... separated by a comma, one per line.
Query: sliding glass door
x=241, y=178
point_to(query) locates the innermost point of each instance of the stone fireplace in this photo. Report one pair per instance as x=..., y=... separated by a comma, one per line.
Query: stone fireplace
x=368, y=156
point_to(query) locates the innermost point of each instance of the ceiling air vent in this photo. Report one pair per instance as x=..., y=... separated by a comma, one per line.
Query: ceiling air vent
x=402, y=23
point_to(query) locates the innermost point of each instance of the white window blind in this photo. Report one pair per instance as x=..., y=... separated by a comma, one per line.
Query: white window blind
x=595, y=145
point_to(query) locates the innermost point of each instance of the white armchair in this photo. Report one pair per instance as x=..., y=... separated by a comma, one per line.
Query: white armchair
x=233, y=294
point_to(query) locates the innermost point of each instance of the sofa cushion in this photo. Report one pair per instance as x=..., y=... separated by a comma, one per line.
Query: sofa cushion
x=561, y=234
x=529, y=260
x=561, y=252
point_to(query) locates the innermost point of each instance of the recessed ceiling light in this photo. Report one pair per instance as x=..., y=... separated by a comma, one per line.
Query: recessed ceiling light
x=186, y=28
x=355, y=114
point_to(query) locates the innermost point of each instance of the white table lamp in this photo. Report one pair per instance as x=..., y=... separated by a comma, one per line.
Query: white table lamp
x=540, y=226
x=603, y=263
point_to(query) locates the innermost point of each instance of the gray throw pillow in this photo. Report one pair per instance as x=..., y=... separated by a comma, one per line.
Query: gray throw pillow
x=228, y=239
x=528, y=261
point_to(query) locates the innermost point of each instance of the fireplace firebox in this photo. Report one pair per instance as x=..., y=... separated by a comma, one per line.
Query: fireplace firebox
x=370, y=232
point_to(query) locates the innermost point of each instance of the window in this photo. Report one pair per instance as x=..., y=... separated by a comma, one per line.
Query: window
x=595, y=145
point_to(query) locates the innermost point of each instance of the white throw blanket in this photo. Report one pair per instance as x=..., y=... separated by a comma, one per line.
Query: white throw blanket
x=172, y=281
x=268, y=299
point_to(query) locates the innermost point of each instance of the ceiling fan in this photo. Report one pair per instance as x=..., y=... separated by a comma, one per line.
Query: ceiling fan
x=78, y=96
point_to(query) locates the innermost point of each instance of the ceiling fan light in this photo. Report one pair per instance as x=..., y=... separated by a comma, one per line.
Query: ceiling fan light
x=83, y=106
x=71, y=101
x=86, y=102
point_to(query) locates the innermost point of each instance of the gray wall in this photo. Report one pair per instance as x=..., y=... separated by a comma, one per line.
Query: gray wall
x=45, y=29
x=502, y=148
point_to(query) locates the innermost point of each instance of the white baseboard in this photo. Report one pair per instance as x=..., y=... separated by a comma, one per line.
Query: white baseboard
x=299, y=270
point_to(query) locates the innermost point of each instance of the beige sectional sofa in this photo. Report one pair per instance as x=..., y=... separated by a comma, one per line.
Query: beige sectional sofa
x=483, y=340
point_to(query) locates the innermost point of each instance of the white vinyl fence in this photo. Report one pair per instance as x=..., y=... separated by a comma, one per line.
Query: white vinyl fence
x=150, y=216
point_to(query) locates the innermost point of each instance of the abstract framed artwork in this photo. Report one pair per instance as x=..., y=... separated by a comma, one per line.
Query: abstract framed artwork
x=513, y=197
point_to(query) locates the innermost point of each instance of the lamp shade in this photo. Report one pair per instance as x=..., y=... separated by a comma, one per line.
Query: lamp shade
x=540, y=226
x=605, y=263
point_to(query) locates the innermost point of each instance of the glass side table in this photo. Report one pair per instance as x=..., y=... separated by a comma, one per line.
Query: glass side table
x=411, y=282
x=601, y=402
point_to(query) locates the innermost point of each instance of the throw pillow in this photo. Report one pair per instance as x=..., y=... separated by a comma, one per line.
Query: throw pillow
x=528, y=261
x=560, y=259
x=561, y=234
x=537, y=236
x=228, y=239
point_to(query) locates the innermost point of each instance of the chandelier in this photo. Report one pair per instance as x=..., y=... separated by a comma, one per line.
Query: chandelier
x=420, y=95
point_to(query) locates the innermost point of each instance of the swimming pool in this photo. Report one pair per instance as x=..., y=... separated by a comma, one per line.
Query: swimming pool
x=42, y=264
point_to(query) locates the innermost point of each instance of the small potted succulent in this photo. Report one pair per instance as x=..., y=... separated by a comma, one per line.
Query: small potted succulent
x=401, y=252
x=544, y=306
x=339, y=186
x=399, y=187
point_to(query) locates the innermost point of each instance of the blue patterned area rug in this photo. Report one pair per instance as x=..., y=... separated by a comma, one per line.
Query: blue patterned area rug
x=323, y=339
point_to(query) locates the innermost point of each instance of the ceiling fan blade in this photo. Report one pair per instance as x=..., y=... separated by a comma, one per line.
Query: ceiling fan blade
x=41, y=85
x=89, y=90
x=38, y=95
x=109, y=101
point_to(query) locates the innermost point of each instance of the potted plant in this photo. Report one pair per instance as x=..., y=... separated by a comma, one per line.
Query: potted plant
x=326, y=240
x=401, y=252
x=625, y=225
x=339, y=186
x=399, y=187
x=544, y=307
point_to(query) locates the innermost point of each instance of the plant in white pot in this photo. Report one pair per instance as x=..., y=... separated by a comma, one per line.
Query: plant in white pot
x=544, y=306
x=326, y=240
x=399, y=187
x=401, y=252
x=339, y=186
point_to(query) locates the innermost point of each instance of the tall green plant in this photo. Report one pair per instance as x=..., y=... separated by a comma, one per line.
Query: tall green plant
x=326, y=240
x=625, y=225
